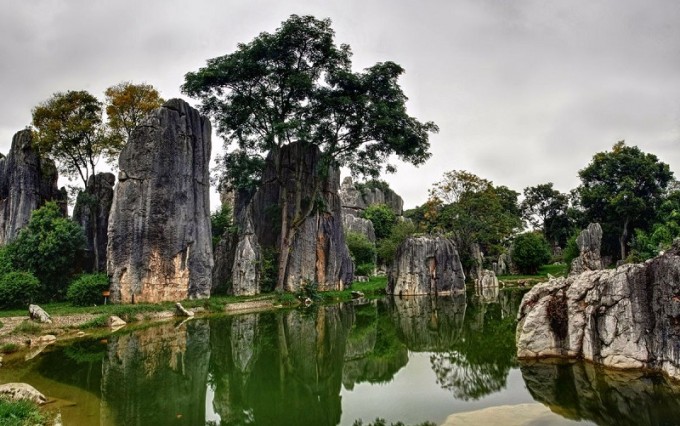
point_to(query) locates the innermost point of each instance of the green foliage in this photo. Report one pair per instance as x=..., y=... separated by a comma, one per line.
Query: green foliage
x=9, y=348
x=309, y=289
x=648, y=244
x=50, y=247
x=529, y=251
x=18, y=289
x=296, y=84
x=269, y=265
x=362, y=250
x=87, y=289
x=220, y=222
x=20, y=413
x=571, y=250
x=622, y=189
x=387, y=248
x=546, y=208
x=364, y=269
x=382, y=217
x=5, y=262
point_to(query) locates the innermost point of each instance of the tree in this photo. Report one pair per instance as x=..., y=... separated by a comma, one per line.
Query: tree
x=363, y=252
x=50, y=247
x=69, y=129
x=382, y=217
x=529, y=251
x=387, y=248
x=546, y=208
x=648, y=244
x=623, y=188
x=127, y=104
x=297, y=85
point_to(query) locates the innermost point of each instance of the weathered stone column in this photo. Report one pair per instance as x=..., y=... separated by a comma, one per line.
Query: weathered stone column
x=160, y=244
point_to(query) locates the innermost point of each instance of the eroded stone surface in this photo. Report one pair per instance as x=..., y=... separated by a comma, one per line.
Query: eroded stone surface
x=355, y=200
x=19, y=391
x=623, y=318
x=27, y=181
x=91, y=212
x=359, y=225
x=426, y=265
x=38, y=314
x=160, y=244
x=589, y=242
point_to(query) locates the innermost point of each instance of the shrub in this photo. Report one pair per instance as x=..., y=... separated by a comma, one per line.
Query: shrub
x=529, y=251
x=362, y=250
x=365, y=269
x=22, y=412
x=87, y=289
x=27, y=327
x=387, y=248
x=5, y=262
x=18, y=289
x=50, y=247
x=571, y=250
x=383, y=219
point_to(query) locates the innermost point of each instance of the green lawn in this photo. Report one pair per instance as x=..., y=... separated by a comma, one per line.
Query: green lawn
x=558, y=270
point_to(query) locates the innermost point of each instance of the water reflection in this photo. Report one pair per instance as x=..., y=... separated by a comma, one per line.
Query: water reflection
x=582, y=391
x=293, y=367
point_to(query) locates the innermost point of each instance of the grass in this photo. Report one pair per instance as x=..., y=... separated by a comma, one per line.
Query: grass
x=27, y=327
x=374, y=287
x=9, y=348
x=558, y=270
x=20, y=413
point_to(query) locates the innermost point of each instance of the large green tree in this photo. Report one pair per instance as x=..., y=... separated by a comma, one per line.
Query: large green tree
x=297, y=85
x=546, y=208
x=623, y=188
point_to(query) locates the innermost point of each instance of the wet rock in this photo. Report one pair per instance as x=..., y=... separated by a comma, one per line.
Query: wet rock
x=27, y=181
x=38, y=314
x=91, y=212
x=589, y=242
x=426, y=265
x=114, y=322
x=623, y=318
x=160, y=244
x=19, y=391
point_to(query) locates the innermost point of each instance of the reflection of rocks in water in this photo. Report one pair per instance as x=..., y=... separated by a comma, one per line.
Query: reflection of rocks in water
x=243, y=348
x=428, y=323
x=374, y=354
x=583, y=391
x=156, y=376
x=487, y=293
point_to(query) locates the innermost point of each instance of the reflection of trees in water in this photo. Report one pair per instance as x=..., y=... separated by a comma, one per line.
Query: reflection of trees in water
x=467, y=381
x=583, y=391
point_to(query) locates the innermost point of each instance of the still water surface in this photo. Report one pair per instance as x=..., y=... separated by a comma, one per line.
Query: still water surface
x=412, y=360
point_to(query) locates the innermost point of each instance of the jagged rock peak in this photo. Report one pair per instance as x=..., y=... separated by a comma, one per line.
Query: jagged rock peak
x=27, y=181
x=356, y=197
x=160, y=244
x=589, y=242
x=426, y=265
x=91, y=212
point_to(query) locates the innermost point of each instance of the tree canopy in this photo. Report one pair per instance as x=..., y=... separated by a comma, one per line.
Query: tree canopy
x=547, y=209
x=622, y=189
x=297, y=85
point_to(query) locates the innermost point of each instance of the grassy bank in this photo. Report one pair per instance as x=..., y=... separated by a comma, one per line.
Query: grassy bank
x=20, y=413
x=556, y=270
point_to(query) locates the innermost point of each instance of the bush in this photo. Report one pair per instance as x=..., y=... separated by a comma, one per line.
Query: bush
x=365, y=269
x=387, y=248
x=529, y=251
x=19, y=413
x=571, y=250
x=383, y=219
x=87, y=289
x=362, y=250
x=50, y=247
x=18, y=289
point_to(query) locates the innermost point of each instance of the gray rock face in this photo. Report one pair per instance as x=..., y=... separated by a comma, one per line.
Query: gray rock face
x=19, y=391
x=355, y=200
x=160, y=244
x=318, y=249
x=426, y=265
x=623, y=318
x=358, y=225
x=589, y=242
x=475, y=272
x=245, y=272
x=37, y=313
x=26, y=183
x=487, y=279
x=92, y=213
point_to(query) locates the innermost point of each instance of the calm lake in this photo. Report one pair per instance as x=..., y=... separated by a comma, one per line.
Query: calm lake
x=411, y=360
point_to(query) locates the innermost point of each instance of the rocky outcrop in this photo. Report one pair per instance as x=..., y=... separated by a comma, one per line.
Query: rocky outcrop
x=475, y=272
x=21, y=391
x=487, y=286
x=91, y=212
x=589, y=242
x=487, y=279
x=623, y=318
x=426, y=265
x=318, y=251
x=357, y=197
x=27, y=181
x=37, y=313
x=358, y=225
x=245, y=273
x=160, y=244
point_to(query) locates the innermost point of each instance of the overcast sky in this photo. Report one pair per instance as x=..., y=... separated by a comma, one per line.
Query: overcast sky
x=524, y=92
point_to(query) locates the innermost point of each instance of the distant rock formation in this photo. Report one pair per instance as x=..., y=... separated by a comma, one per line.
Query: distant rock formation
x=623, y=318
x=589, y=242
x=245, y=273
x=358, y=225
x=426, y=265
x=95, y=203
x=27, y=181
x=356, y=198
x=318, y=249
x=160, y=244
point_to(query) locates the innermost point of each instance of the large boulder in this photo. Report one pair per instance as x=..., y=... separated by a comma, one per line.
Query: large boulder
x=318, y=251
x=589, y=242
x=27, y=181
x=21, y=391
x=426, y=265
x=160, y=244
x=92, y=213
x=624, y=318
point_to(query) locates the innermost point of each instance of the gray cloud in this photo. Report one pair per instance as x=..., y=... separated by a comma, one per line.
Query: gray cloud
x=524, y=92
